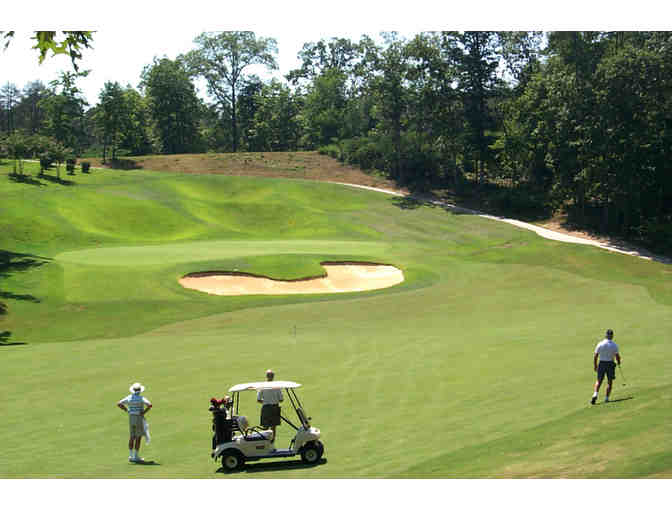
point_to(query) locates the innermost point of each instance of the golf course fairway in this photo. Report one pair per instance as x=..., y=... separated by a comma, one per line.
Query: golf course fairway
x=477, y=365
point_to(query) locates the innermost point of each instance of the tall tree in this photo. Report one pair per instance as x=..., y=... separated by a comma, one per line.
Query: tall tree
x=276, y=126
x=9, y=99
x=390, y=67
x=112, y=117
x=437, y=109
x=317, y=57
x=249, y=101
x=64, y=111
x=30, y=116
x=324, y=106
x=136, y=131
x=477, y=80
x=222, y=58
x=521, y=53
x=174, y=105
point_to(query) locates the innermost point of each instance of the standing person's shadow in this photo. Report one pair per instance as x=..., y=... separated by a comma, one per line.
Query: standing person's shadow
x=620, y=399
x=4, y=336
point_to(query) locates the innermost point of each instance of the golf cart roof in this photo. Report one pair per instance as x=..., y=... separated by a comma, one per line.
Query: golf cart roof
x=264, y=385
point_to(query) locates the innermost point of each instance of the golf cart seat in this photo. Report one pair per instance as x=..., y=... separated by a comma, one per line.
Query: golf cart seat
x=257, y=434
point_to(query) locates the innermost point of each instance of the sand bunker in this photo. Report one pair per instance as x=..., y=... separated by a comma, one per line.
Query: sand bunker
x=341, y=277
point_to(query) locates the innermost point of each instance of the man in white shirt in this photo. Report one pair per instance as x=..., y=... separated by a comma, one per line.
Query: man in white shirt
x=605, y=351
x=270, y=399
x=136, y=406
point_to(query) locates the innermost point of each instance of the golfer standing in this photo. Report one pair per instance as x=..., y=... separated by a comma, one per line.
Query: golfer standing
x=270, y=399
x=136, y=406
x=605, y=352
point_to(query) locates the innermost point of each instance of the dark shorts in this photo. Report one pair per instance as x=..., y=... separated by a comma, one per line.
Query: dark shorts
x=270, y=415
x=608, y=368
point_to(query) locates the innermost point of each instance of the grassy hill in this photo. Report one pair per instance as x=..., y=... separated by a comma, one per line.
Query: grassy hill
x=478, y=365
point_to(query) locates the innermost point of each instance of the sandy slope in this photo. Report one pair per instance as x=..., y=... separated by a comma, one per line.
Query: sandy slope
x=340, y=277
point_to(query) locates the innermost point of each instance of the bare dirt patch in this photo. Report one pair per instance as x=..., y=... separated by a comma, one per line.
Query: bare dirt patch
x=341, y=277
x=297, y=165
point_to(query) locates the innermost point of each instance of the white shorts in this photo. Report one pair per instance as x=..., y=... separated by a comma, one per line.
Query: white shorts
x=136, y=426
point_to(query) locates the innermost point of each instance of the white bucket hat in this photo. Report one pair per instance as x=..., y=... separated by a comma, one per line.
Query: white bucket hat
x=137, y=388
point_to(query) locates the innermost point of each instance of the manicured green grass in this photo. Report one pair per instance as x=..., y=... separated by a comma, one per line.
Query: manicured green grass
x=478, y=365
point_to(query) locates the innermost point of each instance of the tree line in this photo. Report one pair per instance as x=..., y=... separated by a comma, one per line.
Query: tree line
x=579, y=121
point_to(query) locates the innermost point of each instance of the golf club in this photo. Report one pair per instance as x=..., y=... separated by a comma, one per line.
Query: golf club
x=621, y=370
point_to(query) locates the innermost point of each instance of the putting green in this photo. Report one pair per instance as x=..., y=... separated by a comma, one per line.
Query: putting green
x=174, y=253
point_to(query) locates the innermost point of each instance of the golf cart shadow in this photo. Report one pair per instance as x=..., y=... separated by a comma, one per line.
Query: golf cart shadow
x=274, y=466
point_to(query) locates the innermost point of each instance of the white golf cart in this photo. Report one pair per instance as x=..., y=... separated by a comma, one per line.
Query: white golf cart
x=235, y=442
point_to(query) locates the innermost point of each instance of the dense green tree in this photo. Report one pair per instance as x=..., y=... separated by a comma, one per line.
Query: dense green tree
x=112, y=117
x=136, y=131
x=324, y=106
x=477, y=81
x=436, y=112
x=521, y=54
x=632, y=136
x=581, y=51
x=174, y=105
x=17, y=147
x=249, y=101
x=10, y=96
x=344, y=67
x=276, y=124
x=222, y=59
x=390, y=67
x=29, y=114
x=338, y=54
x=64, y=111
x=216, y=130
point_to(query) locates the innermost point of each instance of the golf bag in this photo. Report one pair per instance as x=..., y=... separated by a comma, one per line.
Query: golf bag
x=222, y=426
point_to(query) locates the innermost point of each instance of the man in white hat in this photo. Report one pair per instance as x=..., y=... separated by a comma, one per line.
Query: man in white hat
x=270, y=399
x=136, y=406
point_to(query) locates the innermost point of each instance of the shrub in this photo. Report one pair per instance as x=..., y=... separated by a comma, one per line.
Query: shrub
x=332, y=150
x=519, y=201
x=17, y=149
x=85, y=167
x=368, y=156
x=657, y=234
x=3, y=149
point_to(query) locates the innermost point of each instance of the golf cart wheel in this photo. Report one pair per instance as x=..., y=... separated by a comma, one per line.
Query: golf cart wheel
x=232, y=460
x=312, y=452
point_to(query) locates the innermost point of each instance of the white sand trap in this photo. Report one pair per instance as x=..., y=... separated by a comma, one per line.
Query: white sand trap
x=341, y=277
